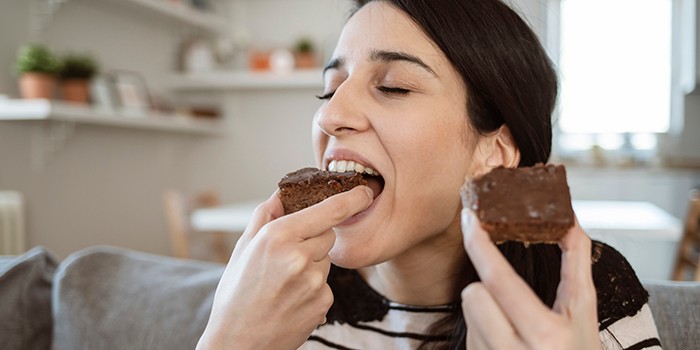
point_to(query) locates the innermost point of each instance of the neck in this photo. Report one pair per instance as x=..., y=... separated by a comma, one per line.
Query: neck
x=427, y=274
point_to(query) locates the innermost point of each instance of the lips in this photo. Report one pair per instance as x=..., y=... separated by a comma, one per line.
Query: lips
x=343, y=161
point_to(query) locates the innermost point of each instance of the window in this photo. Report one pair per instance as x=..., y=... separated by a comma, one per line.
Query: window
x=615, y=64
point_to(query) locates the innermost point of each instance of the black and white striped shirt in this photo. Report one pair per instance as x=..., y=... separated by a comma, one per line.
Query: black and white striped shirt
x=361, y=318
x=404, y=327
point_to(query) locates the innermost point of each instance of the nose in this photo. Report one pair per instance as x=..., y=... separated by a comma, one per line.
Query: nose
x=345, y=112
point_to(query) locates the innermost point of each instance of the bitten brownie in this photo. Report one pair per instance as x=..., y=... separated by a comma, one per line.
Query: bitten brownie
x=524, y=204
x=308, y=186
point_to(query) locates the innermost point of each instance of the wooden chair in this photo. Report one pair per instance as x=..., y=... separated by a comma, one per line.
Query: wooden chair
x=688, y=259
x=178, y=208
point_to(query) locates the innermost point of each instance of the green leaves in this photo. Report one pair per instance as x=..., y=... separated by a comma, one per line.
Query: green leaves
x=74, y=66
x=36, y=58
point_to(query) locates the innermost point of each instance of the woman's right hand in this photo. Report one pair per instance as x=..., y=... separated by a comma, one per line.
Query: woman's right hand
x=273, y=293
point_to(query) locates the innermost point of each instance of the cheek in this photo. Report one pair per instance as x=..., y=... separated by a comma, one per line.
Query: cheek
x=435, y=146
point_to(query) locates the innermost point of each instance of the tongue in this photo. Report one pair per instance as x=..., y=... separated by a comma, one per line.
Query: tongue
x=375, y=184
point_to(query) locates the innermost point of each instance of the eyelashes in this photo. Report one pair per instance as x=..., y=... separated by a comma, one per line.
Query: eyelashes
x=393, y=90
x=326, y=96
x=389, y=90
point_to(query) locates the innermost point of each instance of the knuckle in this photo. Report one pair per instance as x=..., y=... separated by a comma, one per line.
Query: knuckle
x=316, y=280
x=326, y=298
x=270, y=241
x=337, y=210
x=491, y=275
x=259, y=209
x=296, y=262
x=474, y=291
x=330, y=237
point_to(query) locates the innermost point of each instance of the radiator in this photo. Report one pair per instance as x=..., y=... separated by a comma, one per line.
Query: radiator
x=12, y=240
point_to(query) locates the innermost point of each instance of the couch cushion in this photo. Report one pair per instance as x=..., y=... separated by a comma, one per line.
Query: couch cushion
x=113, y=298
x=676, y=310
x=25, y=299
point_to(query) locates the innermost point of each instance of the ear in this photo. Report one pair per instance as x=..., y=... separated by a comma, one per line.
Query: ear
x=505, y=151
x=498, y=149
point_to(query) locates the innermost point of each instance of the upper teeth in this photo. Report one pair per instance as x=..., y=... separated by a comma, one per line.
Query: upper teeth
x=342, y=166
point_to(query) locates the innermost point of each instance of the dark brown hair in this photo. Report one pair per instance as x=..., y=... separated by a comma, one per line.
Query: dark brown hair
x=509, y=80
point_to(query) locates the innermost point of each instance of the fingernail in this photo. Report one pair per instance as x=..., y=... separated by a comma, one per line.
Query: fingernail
x=370, y=193
x=467, y=218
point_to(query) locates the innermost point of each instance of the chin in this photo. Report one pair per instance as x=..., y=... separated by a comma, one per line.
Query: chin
x=350, y=256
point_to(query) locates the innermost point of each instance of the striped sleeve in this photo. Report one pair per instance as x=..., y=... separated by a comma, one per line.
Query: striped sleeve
x=631, y=333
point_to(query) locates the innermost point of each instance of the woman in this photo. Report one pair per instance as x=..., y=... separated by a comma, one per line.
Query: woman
x=426, y=93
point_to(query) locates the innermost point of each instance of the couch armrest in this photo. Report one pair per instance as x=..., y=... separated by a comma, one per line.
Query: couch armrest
x=25, y=299
x=676, y=310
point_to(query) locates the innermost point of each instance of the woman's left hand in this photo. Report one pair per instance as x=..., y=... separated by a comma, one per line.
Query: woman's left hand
x=503, y=312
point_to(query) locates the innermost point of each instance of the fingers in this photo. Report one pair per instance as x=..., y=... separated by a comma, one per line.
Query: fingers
x=576, y=291
x=576, y=257
x=475, y=341
x=267, y=211
x=511, y=293
x=320, y=245
x=318, y=218
x=573, y=321
x=486, y=322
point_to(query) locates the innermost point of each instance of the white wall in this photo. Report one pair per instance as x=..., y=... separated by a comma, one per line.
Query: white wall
x=105, y=185
x=14, y=30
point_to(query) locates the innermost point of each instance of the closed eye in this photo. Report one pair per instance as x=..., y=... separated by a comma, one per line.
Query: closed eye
x=384, y=89
x=326, y=96
x=393, y=90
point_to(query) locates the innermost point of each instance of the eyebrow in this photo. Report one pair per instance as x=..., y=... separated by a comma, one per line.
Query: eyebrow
x=333, y=64
x=384, y=56
x=394, y=56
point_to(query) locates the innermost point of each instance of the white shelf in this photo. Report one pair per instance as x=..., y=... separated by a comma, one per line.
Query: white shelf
x=247, y=80
x=51, y=110
x=181, y=13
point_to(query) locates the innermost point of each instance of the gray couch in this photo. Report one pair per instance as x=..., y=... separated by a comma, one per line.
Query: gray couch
x=112, y=298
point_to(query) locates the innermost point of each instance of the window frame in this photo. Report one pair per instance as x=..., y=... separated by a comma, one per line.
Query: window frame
x=683, y=60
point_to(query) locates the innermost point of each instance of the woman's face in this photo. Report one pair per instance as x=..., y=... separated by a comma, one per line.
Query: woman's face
x=394, y=103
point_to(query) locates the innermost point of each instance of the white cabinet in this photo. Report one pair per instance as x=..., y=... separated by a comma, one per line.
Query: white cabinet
x=667, y=188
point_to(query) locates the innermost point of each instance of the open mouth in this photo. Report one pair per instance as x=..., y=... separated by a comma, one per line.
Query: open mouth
x=375, y=181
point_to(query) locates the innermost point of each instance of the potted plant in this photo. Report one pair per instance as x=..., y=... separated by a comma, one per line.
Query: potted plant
x=305, y=53
x=37, y=67
x=75, y=72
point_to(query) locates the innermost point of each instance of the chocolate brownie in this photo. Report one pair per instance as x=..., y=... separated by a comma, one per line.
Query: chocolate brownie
x=308, y=186
x=524, y=204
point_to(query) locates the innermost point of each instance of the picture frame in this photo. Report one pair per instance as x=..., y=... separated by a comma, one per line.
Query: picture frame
x=132, y=91
x=103, y=93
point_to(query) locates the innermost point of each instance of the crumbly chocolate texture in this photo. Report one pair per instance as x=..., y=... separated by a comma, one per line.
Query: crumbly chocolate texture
x=308, y=186
x=530, y=205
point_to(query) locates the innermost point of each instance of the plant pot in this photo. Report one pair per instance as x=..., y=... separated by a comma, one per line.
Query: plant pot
x=305, y=60
x=259, y=61
x=37, y=85
x=75, y=91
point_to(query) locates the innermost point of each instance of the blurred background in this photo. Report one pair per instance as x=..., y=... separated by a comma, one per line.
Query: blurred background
x=119, y=118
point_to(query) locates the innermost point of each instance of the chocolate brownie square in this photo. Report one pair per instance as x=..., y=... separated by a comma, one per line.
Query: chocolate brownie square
x=529, y=204
x=308, y=186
